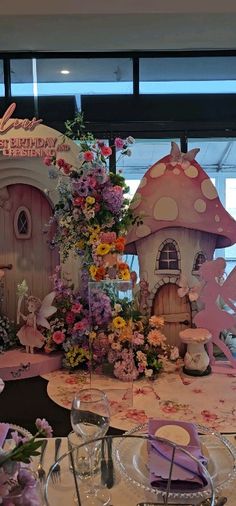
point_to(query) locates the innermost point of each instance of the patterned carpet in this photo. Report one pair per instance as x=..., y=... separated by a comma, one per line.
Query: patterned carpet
x=209, y=400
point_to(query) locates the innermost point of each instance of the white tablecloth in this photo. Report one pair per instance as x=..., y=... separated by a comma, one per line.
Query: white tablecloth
x=121, y=494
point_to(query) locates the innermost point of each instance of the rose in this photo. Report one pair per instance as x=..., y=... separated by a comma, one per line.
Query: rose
x=106, y=151
x=119, y=143
x=88, y=156
x=58, y=337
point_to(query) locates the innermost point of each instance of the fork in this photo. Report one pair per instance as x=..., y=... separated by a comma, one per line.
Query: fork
x=55, y=468
x=40, y=470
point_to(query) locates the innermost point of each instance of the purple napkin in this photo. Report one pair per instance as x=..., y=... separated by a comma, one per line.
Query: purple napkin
x=186, y=474
x=4, y=428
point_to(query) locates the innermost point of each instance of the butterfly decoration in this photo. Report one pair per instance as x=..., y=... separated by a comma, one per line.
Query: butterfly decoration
x=192, y=293
x=46, y=309
x=183, y=159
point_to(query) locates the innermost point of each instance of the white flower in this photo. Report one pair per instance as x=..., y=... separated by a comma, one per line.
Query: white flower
x=174, y=353
x=117, y=308
x=148, y=373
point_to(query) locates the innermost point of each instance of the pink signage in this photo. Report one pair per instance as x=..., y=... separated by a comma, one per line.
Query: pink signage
x=35, y=146
x=7, y=123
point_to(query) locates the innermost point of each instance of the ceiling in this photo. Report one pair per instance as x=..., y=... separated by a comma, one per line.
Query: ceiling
x=102, y=25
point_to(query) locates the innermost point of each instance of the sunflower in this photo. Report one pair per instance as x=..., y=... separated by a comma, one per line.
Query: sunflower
x=93, y=238
x=90, y=200
x=119, y=322
x=103, y=249
x=125, y=275
x=93, y=271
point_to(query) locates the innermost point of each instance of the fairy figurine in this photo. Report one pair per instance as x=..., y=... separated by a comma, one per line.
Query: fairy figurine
x=212, y=317
x=29, y=335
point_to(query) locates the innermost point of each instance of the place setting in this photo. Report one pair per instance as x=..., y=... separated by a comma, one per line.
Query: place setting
x=162, y=462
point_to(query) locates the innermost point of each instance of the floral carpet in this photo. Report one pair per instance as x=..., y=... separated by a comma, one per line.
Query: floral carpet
x=209, y=400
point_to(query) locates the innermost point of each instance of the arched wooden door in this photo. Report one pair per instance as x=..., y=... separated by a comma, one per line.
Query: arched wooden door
x=175, y=310
x=24, y=244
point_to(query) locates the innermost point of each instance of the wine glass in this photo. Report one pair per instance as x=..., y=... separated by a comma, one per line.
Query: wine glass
x=90, y=419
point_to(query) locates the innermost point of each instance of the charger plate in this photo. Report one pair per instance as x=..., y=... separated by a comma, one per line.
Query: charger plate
x=132, y=460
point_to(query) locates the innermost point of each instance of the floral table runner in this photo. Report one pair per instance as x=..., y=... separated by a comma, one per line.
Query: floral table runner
x=208, y=400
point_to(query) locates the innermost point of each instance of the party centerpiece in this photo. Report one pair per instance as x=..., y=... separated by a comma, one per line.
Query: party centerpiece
x=99, y=325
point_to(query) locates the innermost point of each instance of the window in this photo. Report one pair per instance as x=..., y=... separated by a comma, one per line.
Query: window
x=22, y=223
x=22, y=77
x=188, y=75
x=168, y=256
x=198, y=261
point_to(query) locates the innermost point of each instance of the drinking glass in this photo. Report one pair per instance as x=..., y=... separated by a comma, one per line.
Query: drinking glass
x=90, y=419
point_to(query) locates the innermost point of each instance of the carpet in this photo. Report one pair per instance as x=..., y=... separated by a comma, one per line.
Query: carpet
x=209, y=400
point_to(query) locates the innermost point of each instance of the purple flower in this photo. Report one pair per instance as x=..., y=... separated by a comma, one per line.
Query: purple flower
x=26, y=478
x=44, y=427
x=113, y=198
x=125, y=369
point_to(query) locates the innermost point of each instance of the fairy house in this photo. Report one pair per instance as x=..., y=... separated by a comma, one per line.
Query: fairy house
x=180, y=222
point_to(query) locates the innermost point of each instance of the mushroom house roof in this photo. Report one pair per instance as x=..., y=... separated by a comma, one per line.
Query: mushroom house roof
x=177, y=192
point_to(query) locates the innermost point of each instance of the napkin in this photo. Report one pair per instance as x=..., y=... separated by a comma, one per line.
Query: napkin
x=4, y=428
x=186, y=474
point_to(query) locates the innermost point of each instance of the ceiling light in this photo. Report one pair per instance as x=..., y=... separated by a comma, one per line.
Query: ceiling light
x=64, y=71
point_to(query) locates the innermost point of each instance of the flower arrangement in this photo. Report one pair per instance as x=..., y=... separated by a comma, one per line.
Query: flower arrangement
x=16, y=478
x=92, y=213
x=99, y=325
x=131, y=343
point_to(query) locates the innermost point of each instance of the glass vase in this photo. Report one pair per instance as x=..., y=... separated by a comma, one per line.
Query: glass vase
x=112, y=366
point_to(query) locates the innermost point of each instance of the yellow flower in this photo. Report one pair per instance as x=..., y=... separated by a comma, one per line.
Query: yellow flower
x=93, y=238
x=125, y=275
x=119, y=322
x=93, y=271
x=79, y=244
x=157, y=321
x=103, y=249
x=95, y=229
x=90, y=200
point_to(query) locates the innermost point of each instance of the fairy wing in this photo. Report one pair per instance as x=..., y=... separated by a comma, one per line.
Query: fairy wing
x=46, y=310
x=228, y=289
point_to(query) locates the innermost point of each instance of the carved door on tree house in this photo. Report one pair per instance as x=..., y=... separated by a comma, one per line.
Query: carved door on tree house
x=175, y=310
x=24, y=215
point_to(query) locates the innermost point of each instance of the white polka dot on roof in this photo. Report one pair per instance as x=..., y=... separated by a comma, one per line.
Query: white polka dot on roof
x=166, y=209
x=220, y=229
x=208, y=189
x=158, y=170
x=191, y=171
x=200, y=205
x=217, y=218
x=176, y=172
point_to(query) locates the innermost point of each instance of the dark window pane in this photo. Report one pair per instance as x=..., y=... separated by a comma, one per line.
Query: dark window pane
x=22, y=223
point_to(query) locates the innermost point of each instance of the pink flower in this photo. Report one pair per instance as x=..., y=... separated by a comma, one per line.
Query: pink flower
x=70, y=317
x=138, y=338
x=61, y=163
x=119, y=143
x=108, y=237
x=44, y=427
x=88, y=156
x=48, y=160
x=106, y=150
x=58, y=337
x=77, y=308
x=82, y=325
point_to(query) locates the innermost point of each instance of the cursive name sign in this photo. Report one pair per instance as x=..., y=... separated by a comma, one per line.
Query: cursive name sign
x=8, y=123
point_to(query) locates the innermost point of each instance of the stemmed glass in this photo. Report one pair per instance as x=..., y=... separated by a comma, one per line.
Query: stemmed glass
x=90, y=419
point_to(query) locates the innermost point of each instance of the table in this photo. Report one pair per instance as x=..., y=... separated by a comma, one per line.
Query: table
x=121, y=494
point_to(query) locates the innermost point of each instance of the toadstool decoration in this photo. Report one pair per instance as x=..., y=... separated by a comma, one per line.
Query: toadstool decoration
x=196, y=359
x=180, y=221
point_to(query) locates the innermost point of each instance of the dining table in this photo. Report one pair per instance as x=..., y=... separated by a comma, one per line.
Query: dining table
x=123, y=493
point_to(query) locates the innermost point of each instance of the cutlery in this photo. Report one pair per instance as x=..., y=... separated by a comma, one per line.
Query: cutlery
x=55, y=469
x=107, y=469
x=40, y=470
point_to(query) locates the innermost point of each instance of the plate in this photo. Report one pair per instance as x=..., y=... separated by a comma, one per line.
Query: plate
x=23, y=432
x=132, y=460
